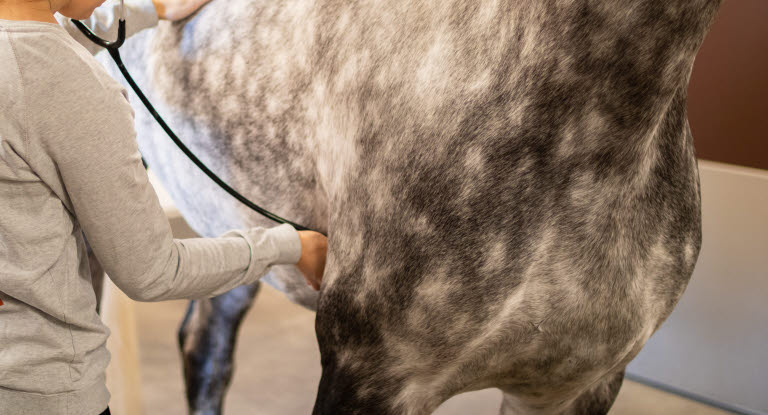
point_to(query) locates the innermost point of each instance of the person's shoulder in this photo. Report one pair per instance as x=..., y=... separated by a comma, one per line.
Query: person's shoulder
x=70, y=100
x=62, y=81
x=52, y=62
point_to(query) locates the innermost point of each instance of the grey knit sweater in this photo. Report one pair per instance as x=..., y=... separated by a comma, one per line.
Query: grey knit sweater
x=69, y=164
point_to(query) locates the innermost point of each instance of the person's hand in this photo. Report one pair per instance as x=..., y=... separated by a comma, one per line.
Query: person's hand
x=314, y=248
x=177, y=9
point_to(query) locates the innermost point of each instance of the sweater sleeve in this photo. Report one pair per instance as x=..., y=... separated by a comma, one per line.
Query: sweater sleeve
x=139, y=15
x=96, y=156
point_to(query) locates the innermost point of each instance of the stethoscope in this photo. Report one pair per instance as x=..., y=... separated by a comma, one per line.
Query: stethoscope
x=112, y=48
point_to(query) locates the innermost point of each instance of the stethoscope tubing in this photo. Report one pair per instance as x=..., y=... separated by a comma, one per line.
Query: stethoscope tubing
x=113, y=49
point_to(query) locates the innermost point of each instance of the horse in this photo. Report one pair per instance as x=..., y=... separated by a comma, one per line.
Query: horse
x=509, y=188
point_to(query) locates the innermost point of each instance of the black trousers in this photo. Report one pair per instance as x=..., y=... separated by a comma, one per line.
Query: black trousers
x=106, y=412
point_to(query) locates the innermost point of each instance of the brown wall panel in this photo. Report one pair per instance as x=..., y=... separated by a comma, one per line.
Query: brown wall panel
x=728, y=94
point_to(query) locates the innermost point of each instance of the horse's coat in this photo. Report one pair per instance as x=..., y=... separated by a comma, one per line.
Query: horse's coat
x=509, y=187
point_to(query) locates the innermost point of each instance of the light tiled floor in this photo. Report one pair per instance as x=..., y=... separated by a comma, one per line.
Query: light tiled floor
x=278, y=366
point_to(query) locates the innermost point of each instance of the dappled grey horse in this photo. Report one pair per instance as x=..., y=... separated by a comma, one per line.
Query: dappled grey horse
x=509, y=188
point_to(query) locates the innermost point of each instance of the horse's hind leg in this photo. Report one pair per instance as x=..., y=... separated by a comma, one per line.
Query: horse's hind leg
x=207, y=340
x=595, y=401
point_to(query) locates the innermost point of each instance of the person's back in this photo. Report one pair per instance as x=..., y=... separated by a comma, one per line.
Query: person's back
x=44, y=277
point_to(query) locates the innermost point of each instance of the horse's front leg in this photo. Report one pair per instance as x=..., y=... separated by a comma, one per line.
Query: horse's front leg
x=207, y=341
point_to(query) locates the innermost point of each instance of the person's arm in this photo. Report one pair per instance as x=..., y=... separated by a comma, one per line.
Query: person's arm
x=86, y=128
x=139, y=15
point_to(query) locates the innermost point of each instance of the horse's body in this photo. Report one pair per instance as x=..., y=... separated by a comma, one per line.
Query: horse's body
x=509, y=188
